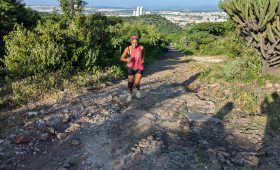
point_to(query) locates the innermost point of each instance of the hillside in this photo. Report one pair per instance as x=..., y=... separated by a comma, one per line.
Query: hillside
x=162, y=24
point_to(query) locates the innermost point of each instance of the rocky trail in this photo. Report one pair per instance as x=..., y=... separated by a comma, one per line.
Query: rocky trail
x=173, y=126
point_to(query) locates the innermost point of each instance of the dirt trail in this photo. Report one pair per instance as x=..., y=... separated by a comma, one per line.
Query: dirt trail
x=171, y=127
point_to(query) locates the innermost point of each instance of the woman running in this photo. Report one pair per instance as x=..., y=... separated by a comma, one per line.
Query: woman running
x=134, y=56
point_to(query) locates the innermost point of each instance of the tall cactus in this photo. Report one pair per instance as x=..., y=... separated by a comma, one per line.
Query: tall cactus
x=259, y=22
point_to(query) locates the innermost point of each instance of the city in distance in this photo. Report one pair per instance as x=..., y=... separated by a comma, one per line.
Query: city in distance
x=182, y=17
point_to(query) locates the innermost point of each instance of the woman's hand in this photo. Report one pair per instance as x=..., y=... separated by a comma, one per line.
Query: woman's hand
x=142, y=60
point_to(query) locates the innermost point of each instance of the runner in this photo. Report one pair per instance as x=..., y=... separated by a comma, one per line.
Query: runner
x=134, y=56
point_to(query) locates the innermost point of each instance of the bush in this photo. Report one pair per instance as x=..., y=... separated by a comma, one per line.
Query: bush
x=246, y=100
x=91, y=41
x=150, y=38
x=13, y=12
x=55, y=46
x=29, y=53
x=164, y=26
x=209, y=39
x=244, y=68
x=93, y=30
x=59, y=54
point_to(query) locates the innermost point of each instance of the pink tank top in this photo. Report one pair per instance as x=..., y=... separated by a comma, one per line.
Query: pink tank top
x=136, y=57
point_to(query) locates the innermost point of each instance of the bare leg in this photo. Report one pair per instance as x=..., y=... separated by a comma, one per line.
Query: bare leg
x=137, y=80
x=130, y=83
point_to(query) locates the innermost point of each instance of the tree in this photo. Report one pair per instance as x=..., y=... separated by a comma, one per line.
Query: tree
x=12, y=12
x=72, y=7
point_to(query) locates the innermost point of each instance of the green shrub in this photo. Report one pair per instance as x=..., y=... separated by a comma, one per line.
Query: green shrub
x=244, y=68
x=230, y=45
x=12, y=12
x=164, y=26
x=55, y=46
x=150, y=38
x=29, y=53
x=246, y=100
x=210, y=39
x=59, y=55
x=93, y=31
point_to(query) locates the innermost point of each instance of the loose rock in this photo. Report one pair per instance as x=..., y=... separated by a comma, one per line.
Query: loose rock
x=22, y=139
x=45, y=136
x=75, y=142
x=31, y=114
x=66, y=118
x=61, y=136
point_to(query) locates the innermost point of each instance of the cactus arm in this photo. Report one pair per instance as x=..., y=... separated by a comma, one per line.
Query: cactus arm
x=263, y=47
x=256, y=9
x=276, y=31
x=274, y=61
x=264, y=11
x=270, y=34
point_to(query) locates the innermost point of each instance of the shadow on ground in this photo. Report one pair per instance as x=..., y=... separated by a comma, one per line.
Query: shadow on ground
x=270, y=151
x=155, y=133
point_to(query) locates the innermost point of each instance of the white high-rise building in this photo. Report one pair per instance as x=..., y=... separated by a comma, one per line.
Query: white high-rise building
x=139, y=11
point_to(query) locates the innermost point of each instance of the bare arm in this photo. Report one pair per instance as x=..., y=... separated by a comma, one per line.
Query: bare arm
x=124, y=55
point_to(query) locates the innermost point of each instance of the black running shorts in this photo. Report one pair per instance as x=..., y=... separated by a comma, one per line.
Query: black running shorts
x=132, y=71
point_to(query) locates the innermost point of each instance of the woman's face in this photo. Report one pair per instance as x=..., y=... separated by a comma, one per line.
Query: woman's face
x=134, y=43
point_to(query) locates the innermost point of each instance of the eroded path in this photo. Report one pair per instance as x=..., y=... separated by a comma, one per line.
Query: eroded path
x=171, y=127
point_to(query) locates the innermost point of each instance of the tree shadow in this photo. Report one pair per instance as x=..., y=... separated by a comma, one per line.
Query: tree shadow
x=206, y=137
x=207, y=142
x=270, y=150
x=131, y=136
x=132, y=127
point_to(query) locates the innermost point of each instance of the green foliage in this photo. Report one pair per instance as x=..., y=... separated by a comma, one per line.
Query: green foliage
x=230, y=45
x=52, y=86
x=29, y=53
x=61, y=54
x=259, y=23
x=164, y=26
x=244, y=68
x=215, y=29
x=150, y=38
x=72, y=7
x=96, y=40
x=53, y=46
x=222, y=39
x=209, y=39
x=246, y=100
x=94, y=30
x=12, y=12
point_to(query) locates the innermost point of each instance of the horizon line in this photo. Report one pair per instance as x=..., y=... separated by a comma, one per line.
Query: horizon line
x=208, y=7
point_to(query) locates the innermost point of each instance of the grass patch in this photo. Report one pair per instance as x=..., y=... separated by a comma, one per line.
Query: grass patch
x=53, y=86
x=246, y=84
x=246, y=100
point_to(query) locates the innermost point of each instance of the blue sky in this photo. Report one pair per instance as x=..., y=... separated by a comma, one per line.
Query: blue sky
x=132, y=3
